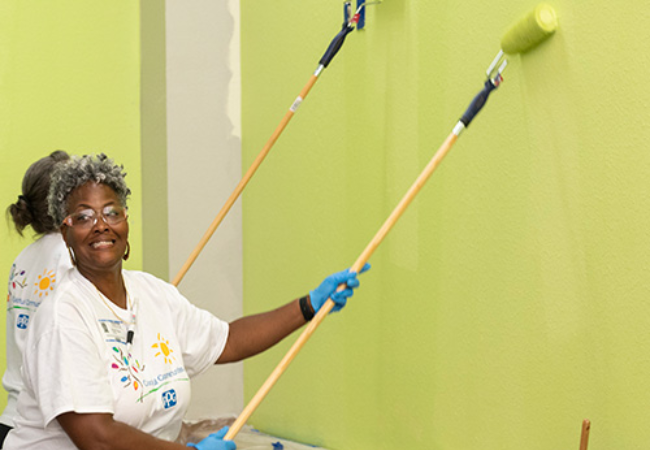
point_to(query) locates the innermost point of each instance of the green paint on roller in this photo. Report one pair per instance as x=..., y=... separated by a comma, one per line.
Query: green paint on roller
x=530, y=30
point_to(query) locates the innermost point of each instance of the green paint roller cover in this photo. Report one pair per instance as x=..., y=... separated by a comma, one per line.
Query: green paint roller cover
x=530, y=30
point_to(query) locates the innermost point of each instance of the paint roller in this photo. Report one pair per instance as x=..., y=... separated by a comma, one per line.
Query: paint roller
x=529, y=31
x=348, y=25
x=525, y=34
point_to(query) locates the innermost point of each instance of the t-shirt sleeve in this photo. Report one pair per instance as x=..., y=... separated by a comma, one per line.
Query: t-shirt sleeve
x=67, y=374
x=201, y=334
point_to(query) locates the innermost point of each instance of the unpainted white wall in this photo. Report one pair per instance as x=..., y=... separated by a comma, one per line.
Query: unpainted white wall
x=204, y=166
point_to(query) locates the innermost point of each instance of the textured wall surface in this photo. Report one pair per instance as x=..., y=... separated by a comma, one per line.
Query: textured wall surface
x=510, y=302
x=69, y=79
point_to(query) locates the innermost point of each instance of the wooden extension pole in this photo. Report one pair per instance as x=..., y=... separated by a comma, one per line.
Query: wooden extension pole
x=584, y=437
x=329, y=304
x=244, y=181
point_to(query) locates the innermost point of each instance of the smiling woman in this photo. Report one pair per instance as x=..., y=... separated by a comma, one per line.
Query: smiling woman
x=96, y=233
x=112, y=353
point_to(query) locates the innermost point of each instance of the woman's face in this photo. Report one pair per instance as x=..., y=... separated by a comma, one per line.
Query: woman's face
x=99, y=247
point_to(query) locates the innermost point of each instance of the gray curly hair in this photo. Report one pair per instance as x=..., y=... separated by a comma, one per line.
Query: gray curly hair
x=76, y=172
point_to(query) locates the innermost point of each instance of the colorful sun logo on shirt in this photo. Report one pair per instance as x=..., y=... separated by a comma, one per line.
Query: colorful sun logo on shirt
x=163, y=346
x=45, y=283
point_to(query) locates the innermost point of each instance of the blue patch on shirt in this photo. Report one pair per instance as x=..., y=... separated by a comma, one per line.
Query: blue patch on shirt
x=23, y=320
x=169, y=398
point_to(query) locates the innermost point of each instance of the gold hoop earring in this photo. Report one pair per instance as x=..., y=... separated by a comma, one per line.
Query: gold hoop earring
x=72, y=258
x=128, y=251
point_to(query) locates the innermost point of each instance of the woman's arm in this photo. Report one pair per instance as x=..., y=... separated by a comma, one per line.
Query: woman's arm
x=101, y=432
x=251, y=335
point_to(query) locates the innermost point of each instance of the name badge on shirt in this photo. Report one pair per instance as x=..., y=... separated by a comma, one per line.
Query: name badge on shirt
x=113, y=330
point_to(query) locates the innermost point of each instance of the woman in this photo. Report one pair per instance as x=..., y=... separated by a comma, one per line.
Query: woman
x=33, y=274
x=111, y=357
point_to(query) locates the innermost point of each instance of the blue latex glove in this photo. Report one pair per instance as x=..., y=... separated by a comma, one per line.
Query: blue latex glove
x=327, y=289
x=215, y=442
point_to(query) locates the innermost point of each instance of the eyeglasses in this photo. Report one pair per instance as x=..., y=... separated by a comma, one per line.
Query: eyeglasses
x=87, y=218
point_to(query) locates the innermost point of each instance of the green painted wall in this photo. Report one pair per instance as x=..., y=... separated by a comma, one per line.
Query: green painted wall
x=69, y=79
x=153, y=139
x=511, y=301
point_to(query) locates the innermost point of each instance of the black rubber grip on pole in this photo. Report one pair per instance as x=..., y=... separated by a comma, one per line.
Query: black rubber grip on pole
x=477, y=103
x=335, y=45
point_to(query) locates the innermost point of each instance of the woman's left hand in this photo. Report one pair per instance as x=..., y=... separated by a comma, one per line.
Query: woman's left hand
x=215, y=442
x=328, y=289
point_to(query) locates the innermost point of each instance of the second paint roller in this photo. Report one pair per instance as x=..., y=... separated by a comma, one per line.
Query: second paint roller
x=525, y=34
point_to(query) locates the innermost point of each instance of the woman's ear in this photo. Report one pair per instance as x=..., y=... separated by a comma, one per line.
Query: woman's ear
x=63, y=230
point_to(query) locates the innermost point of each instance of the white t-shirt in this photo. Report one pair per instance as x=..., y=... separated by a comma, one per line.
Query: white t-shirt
x=77, y=359
x=33, y=279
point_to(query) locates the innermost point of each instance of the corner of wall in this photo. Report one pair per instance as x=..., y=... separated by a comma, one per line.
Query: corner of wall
x=155, y=235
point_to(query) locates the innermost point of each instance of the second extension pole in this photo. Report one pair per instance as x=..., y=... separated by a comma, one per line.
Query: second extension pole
x=331, y=51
